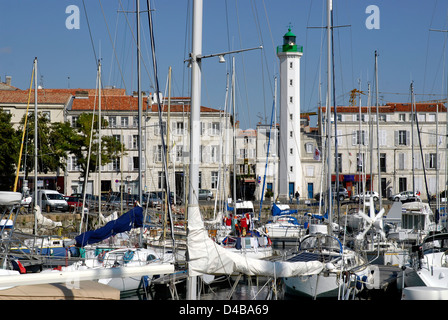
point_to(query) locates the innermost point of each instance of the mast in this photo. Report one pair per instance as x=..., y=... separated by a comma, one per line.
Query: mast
x=99, y=137
x=193, y=204
x=377, y=131
x=140, y=172
x=329, y=10
x=37, y=199
x=234, y=136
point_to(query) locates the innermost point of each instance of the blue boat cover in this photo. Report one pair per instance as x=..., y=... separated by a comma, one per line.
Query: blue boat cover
x=131, y=219
x=276, y=211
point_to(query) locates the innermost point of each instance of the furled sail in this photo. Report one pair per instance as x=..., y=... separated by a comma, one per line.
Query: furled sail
x=278, y=210
x=131, y=219
x=208, y=257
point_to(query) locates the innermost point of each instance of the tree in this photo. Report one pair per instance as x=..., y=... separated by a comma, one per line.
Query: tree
x=111, y=148
x=58, y=140
x=9, y=150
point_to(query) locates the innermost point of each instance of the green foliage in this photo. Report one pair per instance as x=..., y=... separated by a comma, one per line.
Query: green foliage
x=9, y=150
x=58, y=140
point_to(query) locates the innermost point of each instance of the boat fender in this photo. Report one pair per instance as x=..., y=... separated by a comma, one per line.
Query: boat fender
x=128, y=255
x=101, y=256
x=18, y=266
x=364, y=281
x=358, y=283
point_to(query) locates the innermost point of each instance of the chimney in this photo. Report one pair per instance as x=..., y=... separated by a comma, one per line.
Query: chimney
x=8, y=80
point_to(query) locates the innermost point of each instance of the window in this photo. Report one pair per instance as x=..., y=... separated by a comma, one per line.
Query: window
x=116, y=164
x=200, y=180
x=73, y=164
x=290, y=134
x=214, y=154
x=359, y=161
x=382, y=117
x=135, y=141
x=291, y=169
x=74, y=122
x=161, y=183
x=135, y=162
x=290, y=116
x=309, y=148
x=403, y=138
x=421, y=117
x=290, y=99
x=214, y=180
x=158, y=153
x=179, y=153
x=360, y=137
x=402, y=117
x=382, y=162
x=112, y=121
x=291, y=65
x=338, y=163
x=216, y=128
x=179, y=128
x=402, y=184
x=124, y=122
x=243, y=153
x=431, y=160
x=432, y=117
x=291, y=151
x=290, y=82
x=135, y=121
x=401, y=162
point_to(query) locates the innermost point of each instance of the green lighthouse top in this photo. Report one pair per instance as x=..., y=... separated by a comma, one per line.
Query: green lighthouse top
x=289, y=43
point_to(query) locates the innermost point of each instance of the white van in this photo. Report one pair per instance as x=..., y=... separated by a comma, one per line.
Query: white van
x=51, y=200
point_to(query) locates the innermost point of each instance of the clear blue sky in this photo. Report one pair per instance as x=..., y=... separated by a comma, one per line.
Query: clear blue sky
x=408, y=51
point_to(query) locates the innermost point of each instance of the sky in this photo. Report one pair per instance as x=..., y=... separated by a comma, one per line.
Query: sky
x=67, y=51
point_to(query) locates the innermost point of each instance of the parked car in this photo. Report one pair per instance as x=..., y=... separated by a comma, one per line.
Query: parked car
x=365, y=196
x=161, y=195
x=342, y=194
x=405, y=196
x=205, y=195
x=73, y=202
x=153, y=200
x=51, y=200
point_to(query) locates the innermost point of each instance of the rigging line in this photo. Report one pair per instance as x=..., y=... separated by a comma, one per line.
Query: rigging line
x=90, y=32
x=113, y=44
x=242, y=58
x=276, y=61
x=115, y=39
x=24, y=130
x=167, y=184
x=135, y=42
x=306, y=45
x=257, y=24
x=186, y=37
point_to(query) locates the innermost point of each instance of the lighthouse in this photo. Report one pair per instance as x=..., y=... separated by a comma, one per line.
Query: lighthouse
x=290, y=168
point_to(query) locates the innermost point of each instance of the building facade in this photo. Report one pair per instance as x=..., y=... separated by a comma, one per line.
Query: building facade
x=401, y=149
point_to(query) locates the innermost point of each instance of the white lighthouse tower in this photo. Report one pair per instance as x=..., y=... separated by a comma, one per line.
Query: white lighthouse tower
x=290, y=169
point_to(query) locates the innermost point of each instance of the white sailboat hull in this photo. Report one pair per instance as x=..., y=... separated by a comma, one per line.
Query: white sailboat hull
x=317, y=286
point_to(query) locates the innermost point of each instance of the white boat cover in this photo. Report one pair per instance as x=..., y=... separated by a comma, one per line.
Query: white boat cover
x=205, y=256
x=10, y=198
x=44, y=221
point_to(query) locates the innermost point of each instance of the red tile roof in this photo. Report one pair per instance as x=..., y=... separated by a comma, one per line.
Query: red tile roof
x=122, y=103
x=392, y=107
x=43, y=97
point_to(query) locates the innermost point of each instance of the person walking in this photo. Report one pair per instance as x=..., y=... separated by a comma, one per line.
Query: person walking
x=297, y=196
